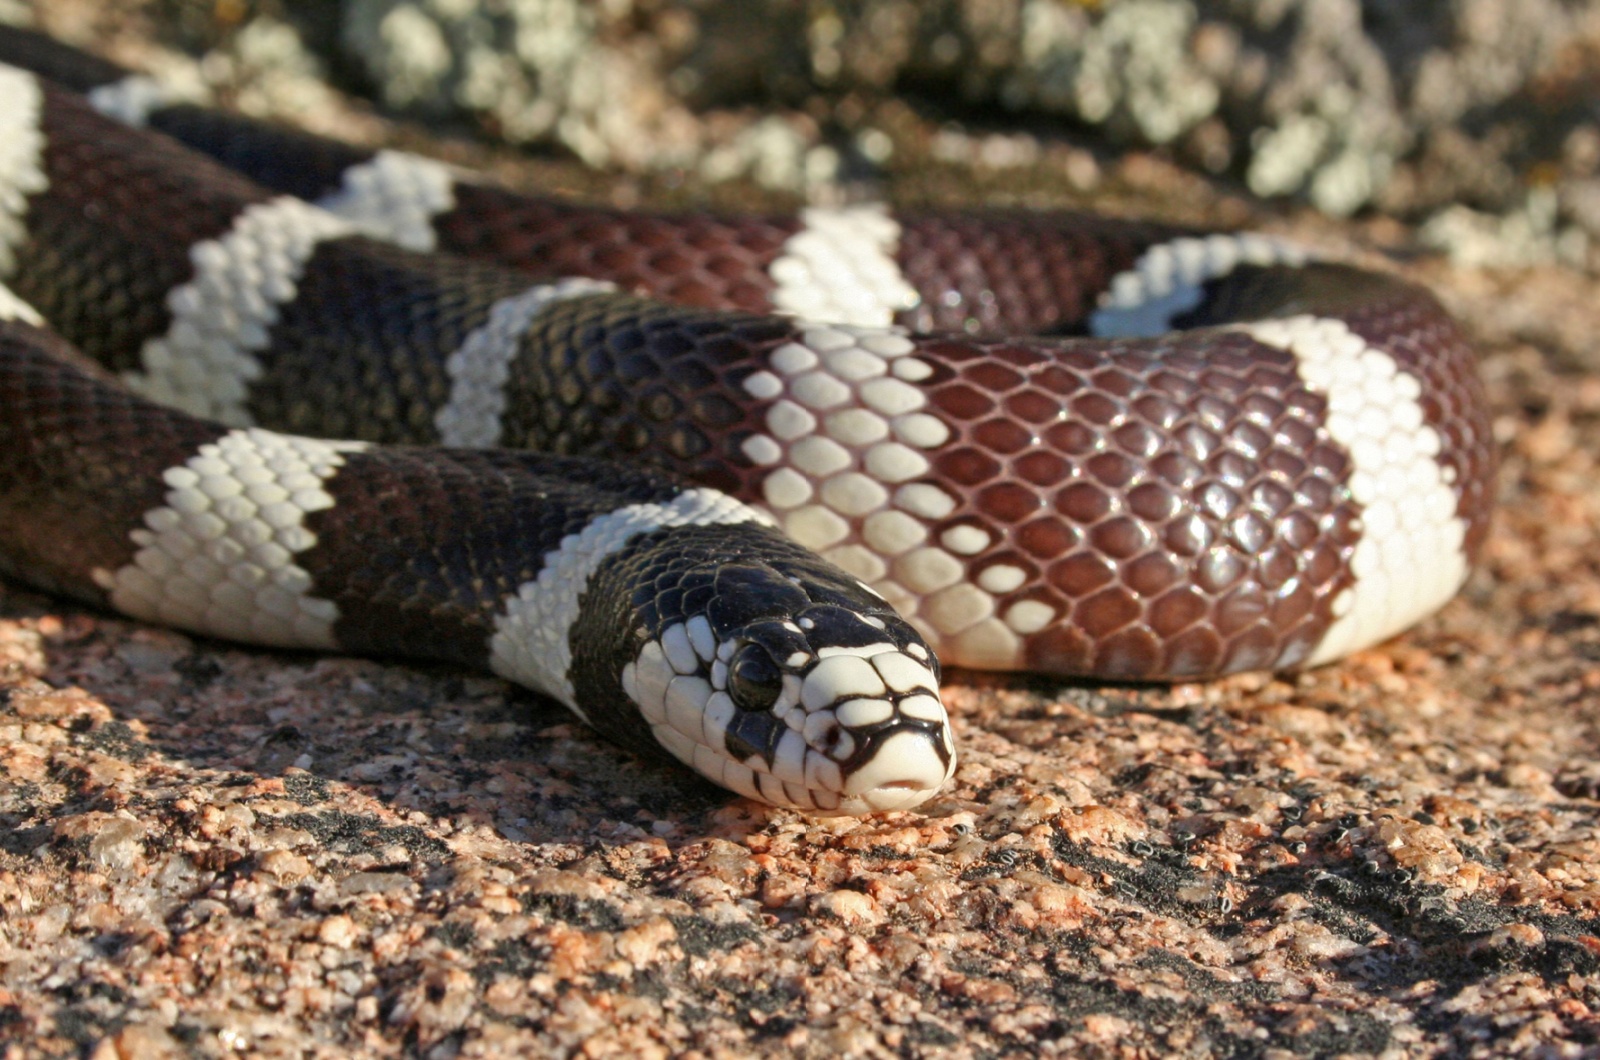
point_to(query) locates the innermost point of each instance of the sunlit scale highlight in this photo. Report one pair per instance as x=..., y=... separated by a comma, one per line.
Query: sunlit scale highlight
x=849, y=436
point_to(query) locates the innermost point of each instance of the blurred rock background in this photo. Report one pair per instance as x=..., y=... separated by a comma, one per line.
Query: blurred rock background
x=1476, y=120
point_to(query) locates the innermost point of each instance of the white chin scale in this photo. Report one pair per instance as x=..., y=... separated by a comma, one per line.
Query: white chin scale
x=839, y=700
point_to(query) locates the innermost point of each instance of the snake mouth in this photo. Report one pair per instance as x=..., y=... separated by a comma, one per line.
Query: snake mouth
x=882, y=800
x=902, y=771
x=901, y=768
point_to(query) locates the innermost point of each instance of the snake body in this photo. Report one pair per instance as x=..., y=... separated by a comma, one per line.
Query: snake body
x=1229, y=456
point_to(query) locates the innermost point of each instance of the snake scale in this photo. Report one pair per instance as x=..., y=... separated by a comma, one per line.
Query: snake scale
x=727, y=487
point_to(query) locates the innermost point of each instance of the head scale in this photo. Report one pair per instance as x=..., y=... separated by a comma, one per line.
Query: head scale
x=775, y=674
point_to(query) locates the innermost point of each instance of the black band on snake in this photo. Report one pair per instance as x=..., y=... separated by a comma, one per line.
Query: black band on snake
x=1227, y=456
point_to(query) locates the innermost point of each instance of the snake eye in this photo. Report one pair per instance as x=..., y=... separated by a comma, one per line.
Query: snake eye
x=754, y=680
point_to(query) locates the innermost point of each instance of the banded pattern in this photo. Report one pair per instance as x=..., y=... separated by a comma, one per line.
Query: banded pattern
x=1146, y=508
x=219, y=555
x=569, y=576
x=21, y=145
x=988, y=274
x=1232, y=457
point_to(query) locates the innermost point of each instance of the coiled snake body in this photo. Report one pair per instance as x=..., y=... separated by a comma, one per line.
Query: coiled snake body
x=1228, y=457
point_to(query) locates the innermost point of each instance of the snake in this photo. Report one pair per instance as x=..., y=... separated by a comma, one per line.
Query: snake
x=732, y=488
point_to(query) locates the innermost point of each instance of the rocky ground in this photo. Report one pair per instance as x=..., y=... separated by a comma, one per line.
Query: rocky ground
x=208, y=850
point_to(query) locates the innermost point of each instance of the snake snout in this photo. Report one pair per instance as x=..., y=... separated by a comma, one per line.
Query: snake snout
x=874, y=715
x=901, y=771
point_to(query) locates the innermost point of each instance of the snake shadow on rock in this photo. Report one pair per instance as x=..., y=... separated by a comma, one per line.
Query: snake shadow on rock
x=422, y=739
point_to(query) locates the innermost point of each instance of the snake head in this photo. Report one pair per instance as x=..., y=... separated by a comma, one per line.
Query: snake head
x=783, y=678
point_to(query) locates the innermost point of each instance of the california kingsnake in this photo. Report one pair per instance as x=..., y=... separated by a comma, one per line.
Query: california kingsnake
x=1301, y=470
